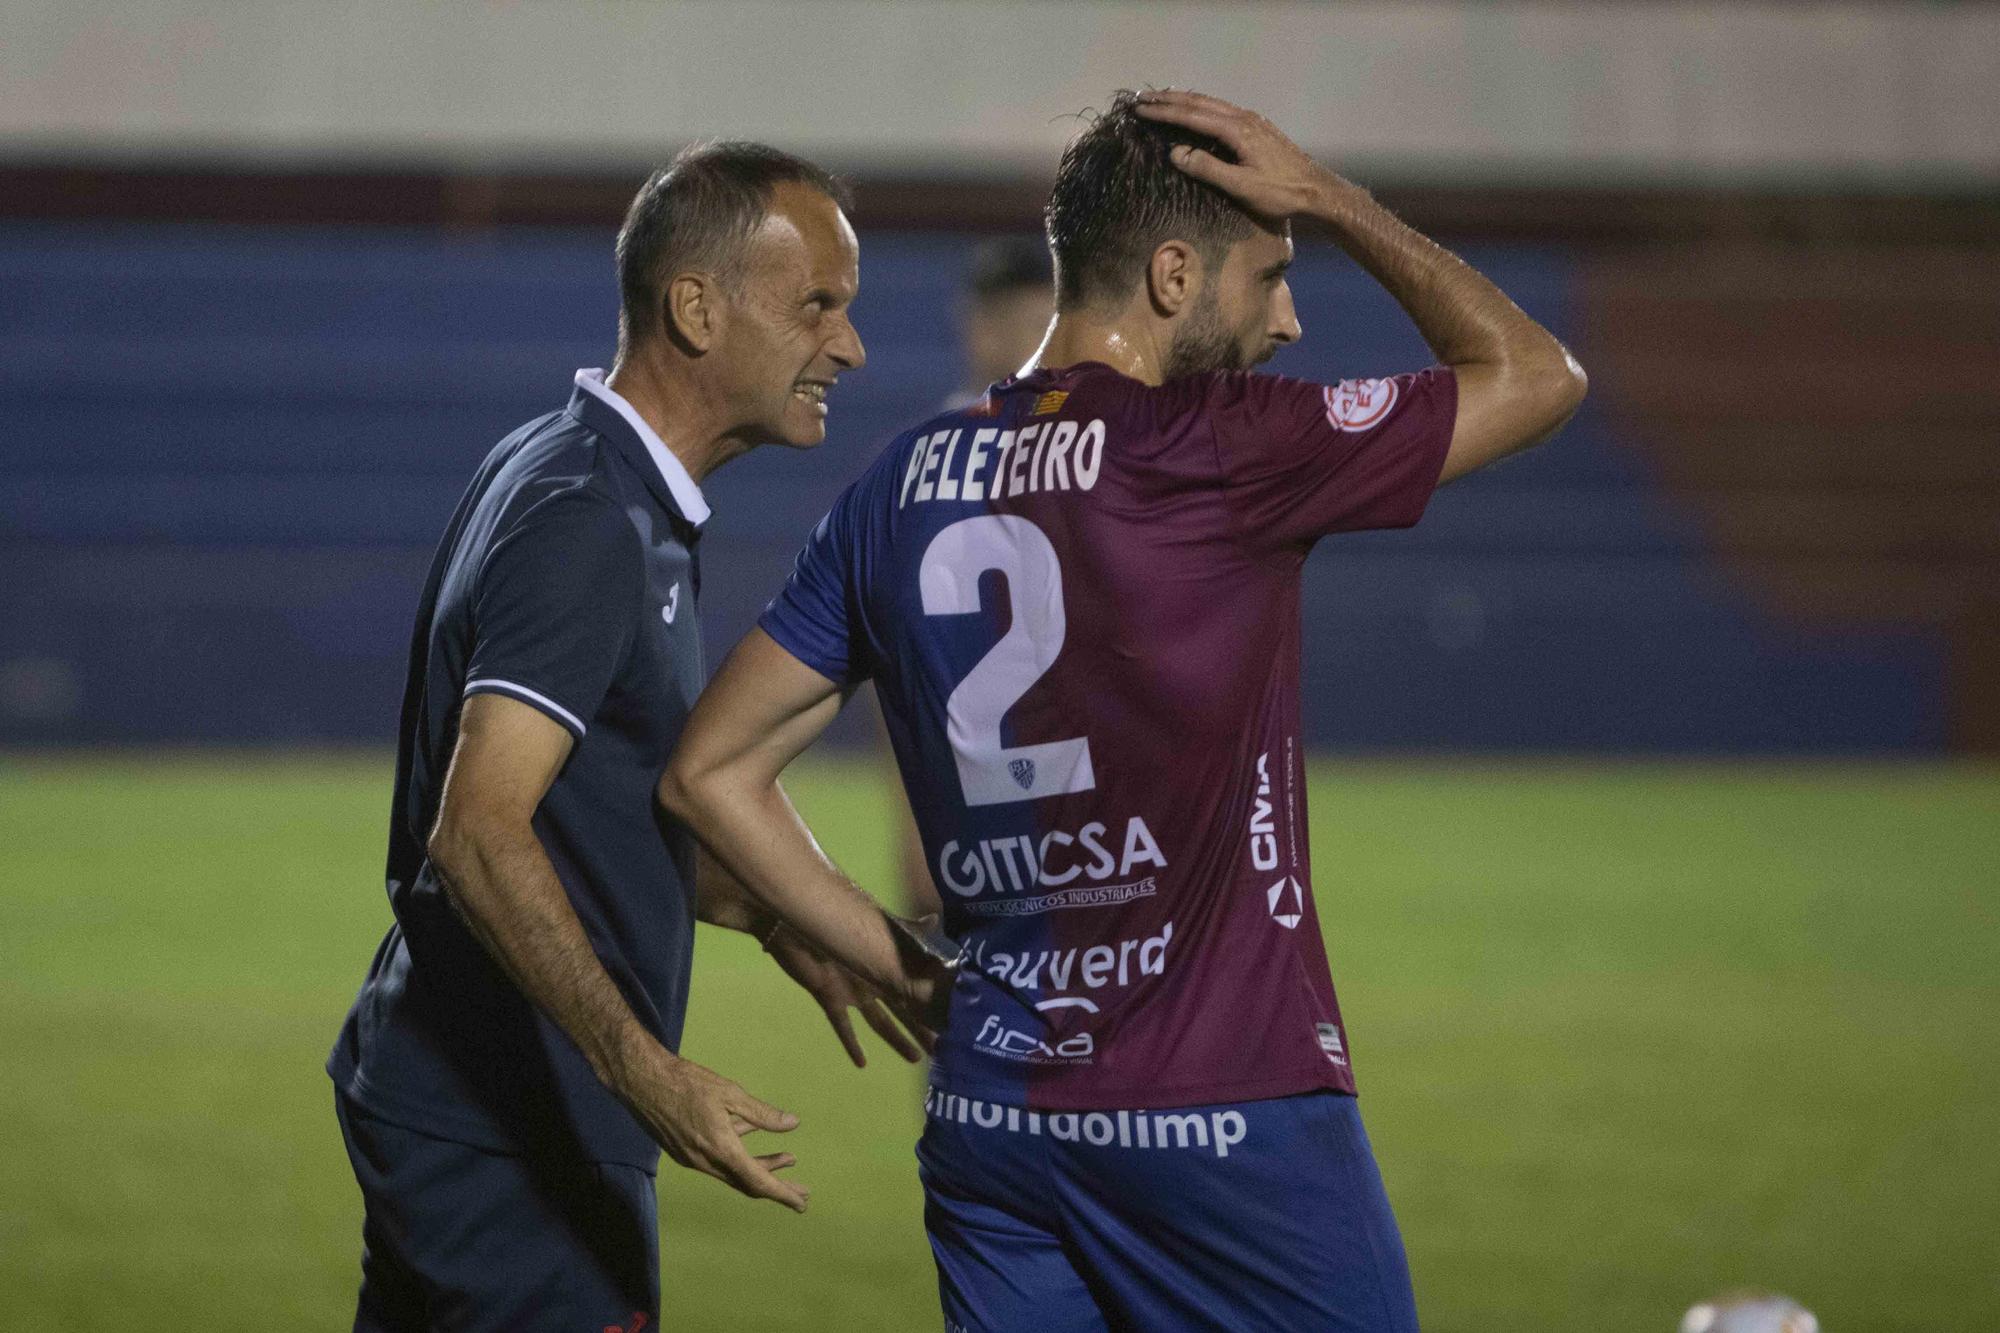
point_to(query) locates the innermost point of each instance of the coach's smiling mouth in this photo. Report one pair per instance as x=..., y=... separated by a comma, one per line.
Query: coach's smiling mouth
x=813, y=392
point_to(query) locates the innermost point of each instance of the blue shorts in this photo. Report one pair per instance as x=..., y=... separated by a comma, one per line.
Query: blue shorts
x=1253, y=1215
x=458, y=1238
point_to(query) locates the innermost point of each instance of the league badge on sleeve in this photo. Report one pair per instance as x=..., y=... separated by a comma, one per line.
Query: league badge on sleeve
x=1357, y=405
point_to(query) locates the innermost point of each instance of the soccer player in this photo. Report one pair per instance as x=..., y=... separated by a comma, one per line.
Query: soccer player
x=1079, y=602
x=507, y=1076
x=1004, y=313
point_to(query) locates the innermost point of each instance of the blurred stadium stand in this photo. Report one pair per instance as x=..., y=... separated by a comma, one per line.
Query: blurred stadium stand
x=242, y=383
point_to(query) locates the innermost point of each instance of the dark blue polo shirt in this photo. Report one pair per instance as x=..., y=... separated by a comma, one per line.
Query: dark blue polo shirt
x=567, y=580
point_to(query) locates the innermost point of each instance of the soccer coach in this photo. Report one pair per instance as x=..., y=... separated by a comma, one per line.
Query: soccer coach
x=506, y=1078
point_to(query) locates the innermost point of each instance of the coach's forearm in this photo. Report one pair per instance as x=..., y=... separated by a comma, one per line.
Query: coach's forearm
x=1464, y=317
x=501, y=882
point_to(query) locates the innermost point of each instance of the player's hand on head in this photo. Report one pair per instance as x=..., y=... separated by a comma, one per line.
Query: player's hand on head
x=699, y=1118
x=839, y=992
x=1272, y=176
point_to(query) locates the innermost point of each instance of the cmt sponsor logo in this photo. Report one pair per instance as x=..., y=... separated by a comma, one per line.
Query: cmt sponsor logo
x=1356, y=405
x=1019, y=864
x=1098, y=967
x=1014, y=1044
x=1263, y=828
x=1209, y=1131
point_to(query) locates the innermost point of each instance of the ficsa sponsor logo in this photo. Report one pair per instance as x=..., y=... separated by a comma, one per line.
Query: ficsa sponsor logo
x=999, y=1039
x=1097, y=967
x=1018, y=864
x=1263, y=828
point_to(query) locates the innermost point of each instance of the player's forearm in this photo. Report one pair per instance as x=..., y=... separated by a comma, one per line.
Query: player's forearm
x=504, y=888
x=755, y=833
x=722, y=900
x=1463, y=316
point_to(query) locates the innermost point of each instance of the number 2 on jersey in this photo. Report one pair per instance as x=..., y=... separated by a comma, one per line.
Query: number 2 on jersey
x=989, y=772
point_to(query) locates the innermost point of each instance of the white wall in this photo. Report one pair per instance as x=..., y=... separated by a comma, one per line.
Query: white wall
x=1856, y=92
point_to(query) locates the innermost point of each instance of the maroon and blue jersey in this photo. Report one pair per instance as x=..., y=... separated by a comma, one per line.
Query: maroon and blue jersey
x=1078, y=599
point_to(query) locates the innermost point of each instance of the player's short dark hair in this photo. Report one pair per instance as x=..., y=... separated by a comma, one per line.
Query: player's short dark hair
x=1118, y=197
x=1007, y=265
x=697, y=212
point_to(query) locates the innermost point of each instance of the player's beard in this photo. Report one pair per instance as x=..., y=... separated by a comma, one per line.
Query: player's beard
x=1203, y=343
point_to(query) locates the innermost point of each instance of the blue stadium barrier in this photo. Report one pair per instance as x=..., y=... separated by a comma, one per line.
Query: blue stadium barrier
x=225, y=453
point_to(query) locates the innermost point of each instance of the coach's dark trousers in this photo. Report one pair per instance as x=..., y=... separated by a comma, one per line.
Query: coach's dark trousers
x=458, y=1238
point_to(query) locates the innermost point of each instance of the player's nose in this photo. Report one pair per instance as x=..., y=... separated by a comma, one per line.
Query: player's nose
x=1285, y=327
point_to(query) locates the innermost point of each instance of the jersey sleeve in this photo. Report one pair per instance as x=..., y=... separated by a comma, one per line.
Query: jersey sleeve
x=1300, y=460
x=815, y=616
x=555, y=609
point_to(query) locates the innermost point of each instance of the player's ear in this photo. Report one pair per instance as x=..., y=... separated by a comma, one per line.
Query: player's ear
x=1172, y=275
x=690, y=310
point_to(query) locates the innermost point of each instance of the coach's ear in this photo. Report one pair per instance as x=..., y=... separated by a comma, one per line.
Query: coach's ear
x=1172, y=277
x=689, y=312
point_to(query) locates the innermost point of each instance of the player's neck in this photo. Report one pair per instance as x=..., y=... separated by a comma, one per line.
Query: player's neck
x=1124, y=344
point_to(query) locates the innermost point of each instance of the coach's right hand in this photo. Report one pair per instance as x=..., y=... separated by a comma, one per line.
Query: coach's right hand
x=699, y=1119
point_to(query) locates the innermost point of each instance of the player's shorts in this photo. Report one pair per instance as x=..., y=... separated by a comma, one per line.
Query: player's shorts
x=1251, y=1215
x=456, y=1238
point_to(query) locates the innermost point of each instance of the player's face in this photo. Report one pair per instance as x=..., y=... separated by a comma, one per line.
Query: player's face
x=788, y=336
x=1243, y=312
x=1253, y=299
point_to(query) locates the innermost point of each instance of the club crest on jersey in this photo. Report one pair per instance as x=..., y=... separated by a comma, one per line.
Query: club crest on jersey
x=1356, y=405
x=1023, y=771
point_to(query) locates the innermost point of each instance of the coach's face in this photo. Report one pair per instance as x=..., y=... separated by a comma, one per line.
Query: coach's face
x=787, y=336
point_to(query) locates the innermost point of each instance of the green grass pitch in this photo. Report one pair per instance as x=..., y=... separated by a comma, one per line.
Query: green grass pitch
x=1625, y=1035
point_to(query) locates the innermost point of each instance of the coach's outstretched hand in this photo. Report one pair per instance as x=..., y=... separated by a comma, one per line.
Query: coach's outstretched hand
x=699, y=1119
x=837, y=990
x=1272, y=176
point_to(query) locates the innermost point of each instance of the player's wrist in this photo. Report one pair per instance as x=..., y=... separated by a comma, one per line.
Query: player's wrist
x=1336, y=201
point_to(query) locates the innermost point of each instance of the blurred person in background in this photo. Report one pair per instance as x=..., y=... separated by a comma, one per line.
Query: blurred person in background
x=1010, y=297
x=1003, y=316
x=507, y=1077
x=1078, y=599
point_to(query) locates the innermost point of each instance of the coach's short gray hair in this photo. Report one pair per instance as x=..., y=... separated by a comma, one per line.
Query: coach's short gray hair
x=697, y=213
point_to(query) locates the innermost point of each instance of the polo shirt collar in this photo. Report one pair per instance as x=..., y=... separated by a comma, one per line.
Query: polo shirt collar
x=687, y=496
